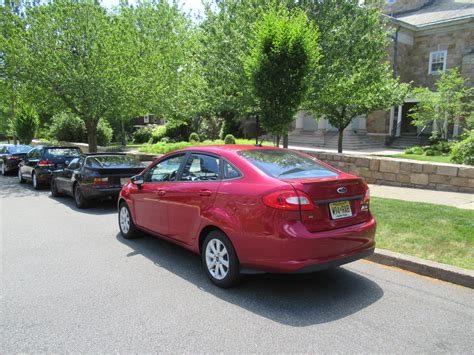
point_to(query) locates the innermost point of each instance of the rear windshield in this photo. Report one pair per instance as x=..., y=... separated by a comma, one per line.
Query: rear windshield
x=19, y=149
x=285, y=164
x=62, y=152
x=113, y=161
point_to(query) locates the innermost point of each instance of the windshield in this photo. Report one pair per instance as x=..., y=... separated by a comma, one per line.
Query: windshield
x=19, y=149
x=113, y=161
x=62, y=152
x=285, y=164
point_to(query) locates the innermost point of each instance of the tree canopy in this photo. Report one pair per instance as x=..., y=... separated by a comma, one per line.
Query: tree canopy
x=281, y=61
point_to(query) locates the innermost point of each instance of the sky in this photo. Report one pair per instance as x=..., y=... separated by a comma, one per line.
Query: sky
x=187, y=5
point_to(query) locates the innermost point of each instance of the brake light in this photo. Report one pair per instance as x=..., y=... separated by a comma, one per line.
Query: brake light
x=45, y=163
x=365, y=201
x=13, y=157
x=100, y=181
x=290, y=200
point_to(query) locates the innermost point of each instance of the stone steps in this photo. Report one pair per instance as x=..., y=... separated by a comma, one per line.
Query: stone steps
x=352, y=141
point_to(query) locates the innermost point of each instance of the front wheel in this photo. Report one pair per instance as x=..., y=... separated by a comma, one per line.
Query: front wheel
x=21, y=180
x=54, y=189
x=79, y=199
x=126, y=225
x=34, y=179
x=220, y=260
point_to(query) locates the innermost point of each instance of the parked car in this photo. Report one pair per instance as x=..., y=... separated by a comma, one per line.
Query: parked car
x=38, y=164
x=11, y=155
x=247, y=209
x=94, y=176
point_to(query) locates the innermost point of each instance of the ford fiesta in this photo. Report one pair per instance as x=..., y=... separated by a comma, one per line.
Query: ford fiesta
x=247, y=209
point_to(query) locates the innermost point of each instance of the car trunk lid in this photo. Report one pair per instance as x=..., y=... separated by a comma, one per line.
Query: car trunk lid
x=338, y=202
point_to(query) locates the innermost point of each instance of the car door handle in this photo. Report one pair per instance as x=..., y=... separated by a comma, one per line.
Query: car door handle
x=161, y=192
x=205, y=193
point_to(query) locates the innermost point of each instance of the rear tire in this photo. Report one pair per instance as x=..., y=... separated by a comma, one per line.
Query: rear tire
x=54, y=189
x=126, y=225
x=35, y=182
x=220, y=260
x=21, y=180
x=3, y=169
x=79, y=199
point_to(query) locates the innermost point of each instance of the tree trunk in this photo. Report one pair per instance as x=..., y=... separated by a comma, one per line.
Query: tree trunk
x=91, y=127
x=339, y=140
x=257, y=126
x=278, y=140
x=285, y=141
x=124, y=141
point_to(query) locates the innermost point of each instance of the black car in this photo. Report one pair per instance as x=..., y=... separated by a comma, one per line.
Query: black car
x=95, y=176
x=11, y=155
x=39, y=163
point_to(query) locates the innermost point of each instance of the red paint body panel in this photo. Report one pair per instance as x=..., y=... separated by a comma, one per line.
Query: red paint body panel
x=264, y=238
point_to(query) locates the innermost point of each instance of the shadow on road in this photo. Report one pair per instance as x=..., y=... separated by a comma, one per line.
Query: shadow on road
x=295, y=300
x=95, y=207
x=10, y=187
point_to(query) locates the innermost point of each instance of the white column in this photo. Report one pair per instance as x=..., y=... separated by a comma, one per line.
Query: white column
x=363, y=122
x=399, y=121
x=392, y=117
x=322, y=123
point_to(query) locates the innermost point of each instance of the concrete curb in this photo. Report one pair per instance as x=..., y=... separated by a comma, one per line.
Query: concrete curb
x=432, y=269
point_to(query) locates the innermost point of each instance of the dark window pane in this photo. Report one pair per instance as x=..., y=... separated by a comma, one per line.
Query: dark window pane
x=230, y=172
x=166, y=170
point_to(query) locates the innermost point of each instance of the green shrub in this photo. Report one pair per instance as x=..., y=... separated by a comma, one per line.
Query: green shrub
x=26, y=124
x=463, y=151
x=104, y=133
x=157, y=133
x=67, y=127
x=142, y=135
x=414, y=150
x=229, y=139
x=165, y=140
x=444, y=147
x=194, y=137
x=177, y=131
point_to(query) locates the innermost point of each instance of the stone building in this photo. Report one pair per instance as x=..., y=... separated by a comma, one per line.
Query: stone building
x=431, y=36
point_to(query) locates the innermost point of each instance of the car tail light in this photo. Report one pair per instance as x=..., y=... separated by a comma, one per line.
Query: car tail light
x=100, y=181
x=365, y=201
x=290, y=200
x=13, y=157
x=45, y=163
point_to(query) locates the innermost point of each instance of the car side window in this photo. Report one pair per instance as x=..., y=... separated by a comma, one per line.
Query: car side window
x=74, y=164
x=32, y=153
x=165, y=170
x=230, y=172
x=201, y=167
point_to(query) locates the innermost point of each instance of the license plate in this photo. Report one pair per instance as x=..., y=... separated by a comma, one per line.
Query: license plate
x=340, y=209
x=123, y=181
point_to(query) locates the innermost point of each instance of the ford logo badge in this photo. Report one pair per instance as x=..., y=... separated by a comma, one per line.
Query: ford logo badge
x=342, y=190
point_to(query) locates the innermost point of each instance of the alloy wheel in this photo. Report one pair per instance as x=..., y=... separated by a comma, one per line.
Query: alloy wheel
x=217, y=259
x=3, y=169
x=77, y=195
x=124, y=219
x=20, y=178
x=35, y=182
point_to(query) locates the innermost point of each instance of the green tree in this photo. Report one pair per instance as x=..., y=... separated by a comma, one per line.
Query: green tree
x=449, y=104
x=25, y=124
x=354, y=77
x=283, y=57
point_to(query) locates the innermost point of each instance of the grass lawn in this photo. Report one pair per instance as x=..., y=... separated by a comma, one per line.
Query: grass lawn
x=163, y=148
x=435, y=158
x=435, y=232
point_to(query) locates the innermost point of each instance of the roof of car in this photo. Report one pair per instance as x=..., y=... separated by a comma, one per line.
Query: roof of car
x=229, y=147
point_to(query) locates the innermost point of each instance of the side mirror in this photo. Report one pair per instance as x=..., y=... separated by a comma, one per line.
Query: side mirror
x=137, y=180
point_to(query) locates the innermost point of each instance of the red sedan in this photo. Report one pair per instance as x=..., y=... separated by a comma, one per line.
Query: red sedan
x=248, y=209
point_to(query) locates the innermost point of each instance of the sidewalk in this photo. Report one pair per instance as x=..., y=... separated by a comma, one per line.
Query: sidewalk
x=454, y=199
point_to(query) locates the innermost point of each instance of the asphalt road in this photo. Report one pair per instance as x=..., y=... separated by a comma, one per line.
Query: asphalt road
x=70, y=283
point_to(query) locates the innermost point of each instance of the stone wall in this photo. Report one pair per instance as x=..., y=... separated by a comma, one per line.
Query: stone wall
x=456, y=40
x=402, y=172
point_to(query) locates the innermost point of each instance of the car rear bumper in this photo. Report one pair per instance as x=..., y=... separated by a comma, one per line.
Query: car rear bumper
x=298, y=251
x=101, y=193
